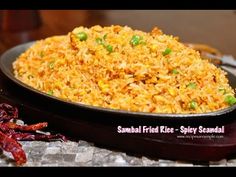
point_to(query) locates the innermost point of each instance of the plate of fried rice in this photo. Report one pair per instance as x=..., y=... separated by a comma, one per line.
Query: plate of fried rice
x=119, y=69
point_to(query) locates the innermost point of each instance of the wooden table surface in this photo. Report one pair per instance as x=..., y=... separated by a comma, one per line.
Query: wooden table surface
x=213, y=27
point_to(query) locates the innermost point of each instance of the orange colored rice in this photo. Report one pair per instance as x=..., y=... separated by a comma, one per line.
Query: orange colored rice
x=134, y=78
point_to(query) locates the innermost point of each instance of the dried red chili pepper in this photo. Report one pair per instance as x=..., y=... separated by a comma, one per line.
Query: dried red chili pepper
x=7, y=112
x=33, y=127
x=4, y=128
x=10, y=132
x=11, y=145
x=30, y=137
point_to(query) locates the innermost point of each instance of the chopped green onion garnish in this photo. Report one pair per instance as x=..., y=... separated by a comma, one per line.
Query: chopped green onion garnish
x=166, y=52
x=192, y=85
x=102, y=42
x=174, y=71
x=51, y=65
x=41, y=54
x=222, y=90
x=231, y=100
x=50, y=92
x=109, y=48
x=99, y=40
x=30, y=76
x=193, y=104
x=105, y=36
x=82, y=36
x=142, y=42
x=135, y=40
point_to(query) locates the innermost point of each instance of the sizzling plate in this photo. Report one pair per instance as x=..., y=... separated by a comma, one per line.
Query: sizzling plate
x=10, y=56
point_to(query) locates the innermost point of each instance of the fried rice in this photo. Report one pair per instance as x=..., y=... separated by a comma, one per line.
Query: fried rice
x=120, y=68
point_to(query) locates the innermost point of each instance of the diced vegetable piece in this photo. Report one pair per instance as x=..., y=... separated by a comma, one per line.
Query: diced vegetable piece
x=104, y=37
x=41, y=54
x=192, y=85
x=135, y=40
x=222, y=90
x=82, y=36
x=175, y=71
x=231, y=100
x=51, y=65
x=99, y=40
x=166, y=52
x=109, y=48
x=50, y=92
x=30, y=76
x=193, y=104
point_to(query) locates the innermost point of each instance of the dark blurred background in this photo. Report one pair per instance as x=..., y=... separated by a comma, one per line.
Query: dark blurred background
x=216, y=28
